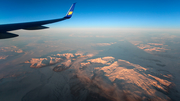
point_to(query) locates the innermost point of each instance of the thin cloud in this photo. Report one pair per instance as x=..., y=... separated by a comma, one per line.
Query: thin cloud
x=156, y=44
x=150, y=47
x=3, y=57
x=11, y=49
x=103, y=44
x=104, y=60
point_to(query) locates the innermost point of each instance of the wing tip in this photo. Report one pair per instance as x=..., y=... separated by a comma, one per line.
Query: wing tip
x=70, y=12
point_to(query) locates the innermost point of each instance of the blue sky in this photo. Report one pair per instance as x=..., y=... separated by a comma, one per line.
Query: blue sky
x=95, y=13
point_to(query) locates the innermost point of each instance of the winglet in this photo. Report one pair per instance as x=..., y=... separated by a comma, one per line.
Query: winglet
x=70, y=12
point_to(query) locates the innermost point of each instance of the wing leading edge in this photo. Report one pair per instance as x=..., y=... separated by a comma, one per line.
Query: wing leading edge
x=30, y=25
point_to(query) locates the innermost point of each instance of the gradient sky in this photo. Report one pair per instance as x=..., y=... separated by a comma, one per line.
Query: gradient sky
x=95, y=13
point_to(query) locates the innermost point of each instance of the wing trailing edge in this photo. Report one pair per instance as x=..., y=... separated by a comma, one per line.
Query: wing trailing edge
x=36, y=28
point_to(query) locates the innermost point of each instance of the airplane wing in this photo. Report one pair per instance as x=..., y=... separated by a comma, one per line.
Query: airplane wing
x=30, y=25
